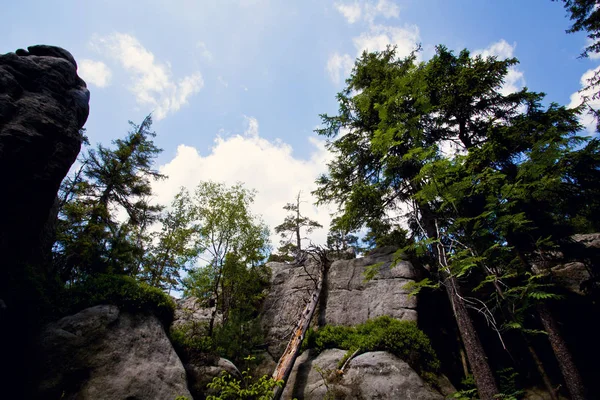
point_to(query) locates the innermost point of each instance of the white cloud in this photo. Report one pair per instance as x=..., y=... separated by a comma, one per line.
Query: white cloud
x=339, y=67
x=515, y=79
x=152, y=82
x=379, y=37
x=204, y=52
x=384, y=8
x=267, y=166
x=586, y=119
x=367, y=10
x=501, y=49
x=94, y=72
x=352, y=12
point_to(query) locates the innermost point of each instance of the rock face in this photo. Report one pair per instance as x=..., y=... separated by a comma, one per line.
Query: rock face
x=102, y=353
x=373, y=375
x=190, y=310
x=575, y=276
x=200, y=368
x=346, y=300
x=43, y=105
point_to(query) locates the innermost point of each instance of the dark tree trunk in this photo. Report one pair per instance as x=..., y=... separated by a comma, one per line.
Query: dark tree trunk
x=484, y=378
x=542, y=371
x=563, y=355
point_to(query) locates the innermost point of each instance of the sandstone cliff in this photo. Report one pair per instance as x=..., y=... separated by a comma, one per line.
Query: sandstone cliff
x=43, y=106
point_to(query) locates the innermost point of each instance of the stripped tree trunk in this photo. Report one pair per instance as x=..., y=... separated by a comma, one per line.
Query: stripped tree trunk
x=286, y=362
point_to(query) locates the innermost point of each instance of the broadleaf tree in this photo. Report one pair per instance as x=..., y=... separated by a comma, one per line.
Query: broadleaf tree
x=227, y=230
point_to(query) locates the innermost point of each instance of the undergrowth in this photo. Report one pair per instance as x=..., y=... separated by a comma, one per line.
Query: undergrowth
x=401, y=338
x=119, y=290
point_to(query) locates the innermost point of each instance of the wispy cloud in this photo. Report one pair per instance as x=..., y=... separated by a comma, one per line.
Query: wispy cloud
x=367, y=11
x=339, y=66
x=376, y=38
x=94, y=72
x=153, y=83
x=204, y=52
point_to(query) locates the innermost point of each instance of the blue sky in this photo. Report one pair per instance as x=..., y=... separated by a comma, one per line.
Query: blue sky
x=236, y=86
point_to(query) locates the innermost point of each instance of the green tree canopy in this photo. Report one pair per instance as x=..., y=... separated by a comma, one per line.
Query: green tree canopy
x=512, y=180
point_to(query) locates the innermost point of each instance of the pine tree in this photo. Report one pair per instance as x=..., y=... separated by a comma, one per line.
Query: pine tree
x=291, y=229
x=91, y=238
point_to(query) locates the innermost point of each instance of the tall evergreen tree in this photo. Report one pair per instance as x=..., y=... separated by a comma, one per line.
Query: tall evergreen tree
x=91, y=237
x=481, y=176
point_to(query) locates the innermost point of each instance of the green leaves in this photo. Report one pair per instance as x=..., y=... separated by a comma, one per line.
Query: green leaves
x=229, y=388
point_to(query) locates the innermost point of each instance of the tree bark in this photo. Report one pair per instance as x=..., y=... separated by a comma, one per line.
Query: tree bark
x=484, y=378
x=563, y=355
x=286, y=362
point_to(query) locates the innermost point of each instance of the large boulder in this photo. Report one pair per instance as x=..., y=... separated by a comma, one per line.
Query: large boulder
x=373, y=375
x=347, y=299
x=103, y=353
x=43, y=106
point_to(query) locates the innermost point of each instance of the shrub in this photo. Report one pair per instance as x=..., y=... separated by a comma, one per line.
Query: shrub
x=191, y=339
x=401, y=338
x=228, y=388
x=121, y=291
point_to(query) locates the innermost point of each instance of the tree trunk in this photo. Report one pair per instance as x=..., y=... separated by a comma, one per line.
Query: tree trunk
x=563, y=355
x=286, y=362
x=542, y=371
x=484, y=378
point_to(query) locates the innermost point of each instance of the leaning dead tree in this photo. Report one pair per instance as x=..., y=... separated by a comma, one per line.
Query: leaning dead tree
x=286, y=362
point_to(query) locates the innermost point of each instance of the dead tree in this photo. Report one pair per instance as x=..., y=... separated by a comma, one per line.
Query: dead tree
x=286, y=362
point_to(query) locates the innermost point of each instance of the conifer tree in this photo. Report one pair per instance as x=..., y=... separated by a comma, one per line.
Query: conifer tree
x=91, y=238
x=292, y=228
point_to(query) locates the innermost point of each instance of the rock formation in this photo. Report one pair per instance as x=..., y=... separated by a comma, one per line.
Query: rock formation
x=200, y=368
x=43, y=106
x=373, y=375
x=102, y=353
x=347, y=298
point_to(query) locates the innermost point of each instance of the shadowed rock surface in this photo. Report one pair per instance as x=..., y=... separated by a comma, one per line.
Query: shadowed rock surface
x=102, y=353
x=43, y=106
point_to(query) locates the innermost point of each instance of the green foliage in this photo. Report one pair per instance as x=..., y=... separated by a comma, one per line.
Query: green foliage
x=401, y=338
x=90, y=239
x=122, y=291
x=509, y=387
x=489, y=183
x=229, y=388
x=293, y=227
x=468, y=390
x=191, y=339
x=174, y=248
